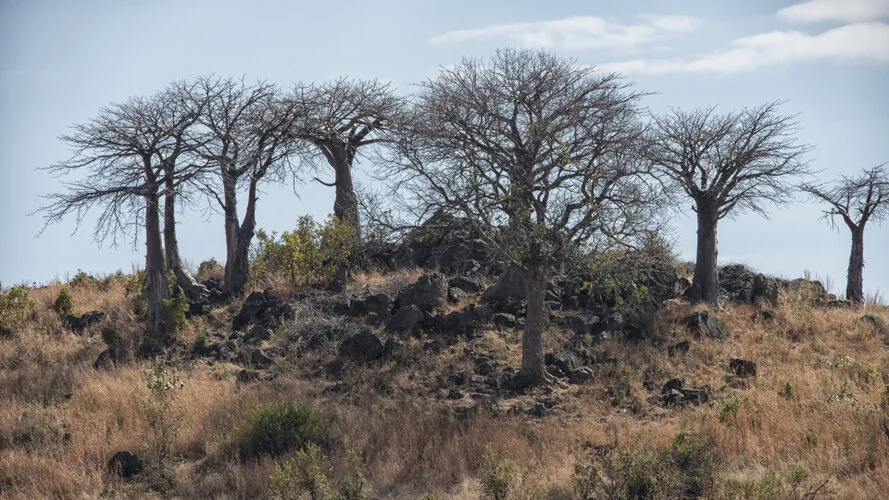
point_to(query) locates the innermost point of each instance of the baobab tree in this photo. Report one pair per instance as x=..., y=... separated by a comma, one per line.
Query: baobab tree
x=180, y=164
x=248, y=141
x=121, y=158
x=727, y=164
x=857, y=201
x=339, y=119
x=537, y=152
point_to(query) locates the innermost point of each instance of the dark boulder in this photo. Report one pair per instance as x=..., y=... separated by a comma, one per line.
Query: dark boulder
x=78, y=324
x=391, y=348
x=362, y=347
x=245, y=376
x=484, y=365
x=125, y=464
x=515, y=381
x=564, y=360
x=378, y=303
x=260, y=359
x=505, y=320
x=581, y=375
x=678, y=348
x=741, y=284
x=430, y=291
x=406, y=320
x=456, y=294
x=706, y=324
x=257, y=334
x=742, y=368
x=512, y=284
x=465, y=283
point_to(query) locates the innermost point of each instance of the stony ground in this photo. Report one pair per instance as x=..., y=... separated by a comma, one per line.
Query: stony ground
x=416, y=370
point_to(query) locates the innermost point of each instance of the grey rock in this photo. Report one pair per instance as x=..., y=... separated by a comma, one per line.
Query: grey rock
x=581, y=375
x=362, y=347
x=431, y=290
x=406, y=320
x=465, y=283
x=125, y=464
x=706, y=324
x=505, y=320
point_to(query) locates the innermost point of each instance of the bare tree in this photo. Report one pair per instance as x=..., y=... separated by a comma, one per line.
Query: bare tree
x=727, y=164
x=120, y=157
x=249, y=142
x=179, y=164
x=857, y=201
x=339, y=119
x=537, y=152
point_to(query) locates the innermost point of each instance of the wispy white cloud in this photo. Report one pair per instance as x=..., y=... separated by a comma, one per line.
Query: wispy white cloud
x=836, y=10
x=577, y=33
x=863, y=41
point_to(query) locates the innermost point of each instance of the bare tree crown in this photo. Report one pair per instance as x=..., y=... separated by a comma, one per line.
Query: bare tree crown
x=735, y=161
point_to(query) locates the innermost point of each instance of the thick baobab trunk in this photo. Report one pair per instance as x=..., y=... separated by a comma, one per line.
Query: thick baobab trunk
x=855, y=273
x=705, y=286
x=345, y=208
x=533, y=366
x=184, y=280
x=155, y=275
x=237, y=239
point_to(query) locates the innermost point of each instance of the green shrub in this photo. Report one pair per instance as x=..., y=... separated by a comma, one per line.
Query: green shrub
x=274, y=428
x=689, y=467
x=788, y=391
x=16, y=307
x=163, y=415
x=797, y=483
x=308, y=255
x=64, y=304
x=175, y=310
x=310, y=472
x=136, y=288
x=729, y=411
x=503, y=479
x=867, y=373
x=110, y=337
x=210, y=268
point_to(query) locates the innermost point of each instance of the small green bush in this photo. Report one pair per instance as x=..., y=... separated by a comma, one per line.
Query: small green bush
x=689, y=467
x=729, y=411
x=788, y=391
x=175, y=310
x=64, y=304
x=16, y=307
x=161, y=411
x=503, y=479
x=210, y=268
x=110, y=337
x=308, y=255
x=274, y=428
x=310, y=472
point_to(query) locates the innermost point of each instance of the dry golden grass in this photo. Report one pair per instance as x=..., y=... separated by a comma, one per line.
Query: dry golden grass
x=60, y=420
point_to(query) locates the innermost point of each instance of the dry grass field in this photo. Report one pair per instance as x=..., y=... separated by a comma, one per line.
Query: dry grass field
x=812, y=422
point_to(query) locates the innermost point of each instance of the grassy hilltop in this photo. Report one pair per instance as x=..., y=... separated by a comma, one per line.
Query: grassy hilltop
x=301, y=406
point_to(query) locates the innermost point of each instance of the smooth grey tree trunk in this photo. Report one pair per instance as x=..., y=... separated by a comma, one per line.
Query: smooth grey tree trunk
x=155, y=274
x=345, y=208
x=533, y=366
x=705, y=286
x=184, y=280
x=238, y=236
x=855, y=273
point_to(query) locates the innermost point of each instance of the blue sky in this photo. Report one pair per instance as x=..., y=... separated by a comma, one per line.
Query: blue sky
x=60, y=61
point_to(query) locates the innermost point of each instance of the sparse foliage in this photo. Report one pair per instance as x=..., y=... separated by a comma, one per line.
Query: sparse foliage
x=856, y=201
x=727, y=164
x=161, y=410
x=16, y=306
x=537, y=152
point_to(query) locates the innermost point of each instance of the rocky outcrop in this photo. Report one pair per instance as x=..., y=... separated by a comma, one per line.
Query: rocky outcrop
x=430, y=291
x=704, y=324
